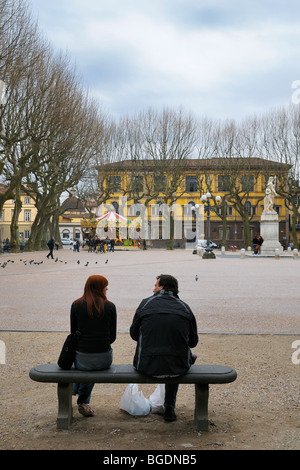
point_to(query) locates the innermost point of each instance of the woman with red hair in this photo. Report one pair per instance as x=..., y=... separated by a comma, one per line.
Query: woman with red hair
x=95, y=318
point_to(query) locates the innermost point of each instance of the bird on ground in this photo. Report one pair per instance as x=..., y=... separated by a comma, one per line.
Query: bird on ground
x=196, y=278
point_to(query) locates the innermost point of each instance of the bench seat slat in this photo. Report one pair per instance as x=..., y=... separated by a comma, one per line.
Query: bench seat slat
x=125, y=373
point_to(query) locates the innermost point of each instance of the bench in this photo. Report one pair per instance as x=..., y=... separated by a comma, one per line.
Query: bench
x=199, y=375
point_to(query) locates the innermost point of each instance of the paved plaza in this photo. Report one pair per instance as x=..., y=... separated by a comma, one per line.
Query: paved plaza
x=232, y=295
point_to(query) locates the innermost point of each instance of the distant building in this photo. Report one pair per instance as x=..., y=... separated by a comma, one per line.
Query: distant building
x=70, y=221
x=234, y=179
x=26, y=217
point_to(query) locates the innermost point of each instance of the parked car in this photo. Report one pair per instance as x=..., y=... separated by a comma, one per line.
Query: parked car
x=67, y=241
x=203, y=244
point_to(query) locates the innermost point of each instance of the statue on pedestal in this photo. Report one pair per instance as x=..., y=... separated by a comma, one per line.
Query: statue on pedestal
x=270, y=195
x=269, y=224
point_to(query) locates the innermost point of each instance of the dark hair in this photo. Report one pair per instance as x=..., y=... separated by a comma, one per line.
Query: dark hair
x=94, y=294
x=168, y=282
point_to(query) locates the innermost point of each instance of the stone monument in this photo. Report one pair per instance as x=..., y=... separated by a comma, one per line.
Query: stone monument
x=269, y=225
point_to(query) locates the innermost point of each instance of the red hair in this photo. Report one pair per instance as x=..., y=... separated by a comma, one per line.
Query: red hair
x=94, y=294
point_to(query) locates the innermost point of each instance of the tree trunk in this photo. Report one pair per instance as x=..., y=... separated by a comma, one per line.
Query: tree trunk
x=14, y=228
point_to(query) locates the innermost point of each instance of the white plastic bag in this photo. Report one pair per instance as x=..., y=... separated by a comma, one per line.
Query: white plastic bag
x=134, y=402
x=157, y=399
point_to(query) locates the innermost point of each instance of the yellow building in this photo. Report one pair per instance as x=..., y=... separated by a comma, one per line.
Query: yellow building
x=25, y=221
x=70, y=221
x=240, y=183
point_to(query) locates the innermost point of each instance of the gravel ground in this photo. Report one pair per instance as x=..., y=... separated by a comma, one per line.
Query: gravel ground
x=253, y=303
x=259, y=411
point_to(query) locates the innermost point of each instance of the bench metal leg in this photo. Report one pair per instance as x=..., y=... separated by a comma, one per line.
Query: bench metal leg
x=65, y=410
x=201, y=407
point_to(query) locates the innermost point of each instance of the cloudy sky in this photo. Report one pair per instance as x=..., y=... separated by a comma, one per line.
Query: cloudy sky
x=216, y=58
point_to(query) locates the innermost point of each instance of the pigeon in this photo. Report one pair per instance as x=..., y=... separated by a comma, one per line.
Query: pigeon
x=106, y=261
x=56, y=260
x=78, y=262
x=196, y=278
x=86, y=264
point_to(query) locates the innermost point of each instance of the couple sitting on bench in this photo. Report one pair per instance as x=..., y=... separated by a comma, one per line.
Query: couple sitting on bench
x=163, y=326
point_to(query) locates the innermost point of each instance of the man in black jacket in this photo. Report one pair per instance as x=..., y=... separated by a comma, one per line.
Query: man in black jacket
x=165, y=329
x=51, y=247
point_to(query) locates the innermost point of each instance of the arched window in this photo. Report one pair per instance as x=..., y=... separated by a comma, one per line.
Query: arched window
x=248, y=207
x=116, y=206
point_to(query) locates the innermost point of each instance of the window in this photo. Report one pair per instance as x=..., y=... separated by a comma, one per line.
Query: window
x=155, y=209
x=116, y=206
x=27, y=216
x=160, y=183
x=247, y=182
x=27, y=200
x=114, y=184
x=138, y=184
x=27, y=233
x=191, y=184
x=228, y=210
x=248, y=207
x=223, y=183
x=189, y=209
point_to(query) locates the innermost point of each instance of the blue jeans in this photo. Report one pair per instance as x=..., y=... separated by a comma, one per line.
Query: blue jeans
x=85, y=361
x=170, y=394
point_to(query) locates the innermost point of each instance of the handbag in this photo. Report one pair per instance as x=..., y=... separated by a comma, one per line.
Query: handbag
x=134, y=402
x=67, y=355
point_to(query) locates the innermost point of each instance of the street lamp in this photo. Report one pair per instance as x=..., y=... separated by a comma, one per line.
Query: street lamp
x=206, y=201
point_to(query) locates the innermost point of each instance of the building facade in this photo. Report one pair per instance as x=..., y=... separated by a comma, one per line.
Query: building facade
x=70, y=220
x=25, y=221
x=240, y=183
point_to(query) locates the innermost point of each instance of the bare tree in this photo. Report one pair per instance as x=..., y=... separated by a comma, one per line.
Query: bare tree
x=73, y=125
x=238, y=172
x=164, y=141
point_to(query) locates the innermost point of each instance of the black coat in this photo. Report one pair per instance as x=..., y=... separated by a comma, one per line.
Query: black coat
x=51, y=244
x=165, y=329
x=97, y=333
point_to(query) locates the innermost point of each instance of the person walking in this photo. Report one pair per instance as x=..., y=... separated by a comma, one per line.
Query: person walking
x=94, y=317
x=165, y=329
x=51, y=247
